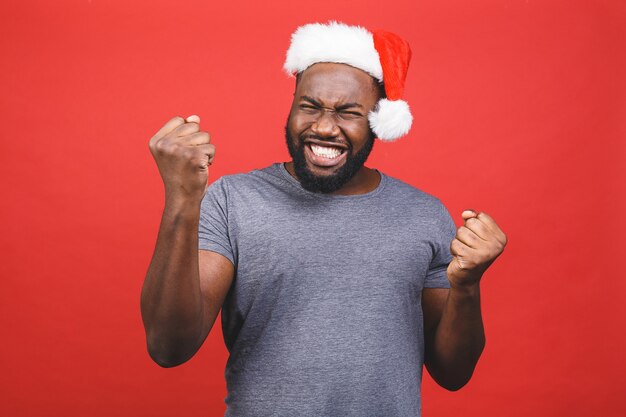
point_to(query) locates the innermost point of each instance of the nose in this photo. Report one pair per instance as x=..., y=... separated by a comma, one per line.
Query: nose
x=325, y=125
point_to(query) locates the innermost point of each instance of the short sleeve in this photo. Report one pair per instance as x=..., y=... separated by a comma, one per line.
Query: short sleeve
x=437, y=275
x=213, y=227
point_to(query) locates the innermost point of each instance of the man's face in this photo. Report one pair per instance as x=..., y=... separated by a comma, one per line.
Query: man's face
x=328, y=134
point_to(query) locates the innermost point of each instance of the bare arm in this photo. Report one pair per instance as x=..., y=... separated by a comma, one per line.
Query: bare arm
x=453, y=327
x=453, y=333
x=184, y=288
x=183, y=291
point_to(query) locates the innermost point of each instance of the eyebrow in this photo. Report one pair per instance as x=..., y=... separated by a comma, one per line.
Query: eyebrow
x=341, y=107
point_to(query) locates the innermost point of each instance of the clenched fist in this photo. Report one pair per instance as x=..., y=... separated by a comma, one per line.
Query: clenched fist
x=476, y=245
x=183, y=154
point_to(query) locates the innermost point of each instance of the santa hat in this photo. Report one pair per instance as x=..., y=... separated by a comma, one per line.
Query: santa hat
x=383, y=55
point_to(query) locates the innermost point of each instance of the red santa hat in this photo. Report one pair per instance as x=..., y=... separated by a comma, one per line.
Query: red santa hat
x=383, y=55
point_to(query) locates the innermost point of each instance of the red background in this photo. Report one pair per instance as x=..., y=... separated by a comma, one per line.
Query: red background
x=520, y=111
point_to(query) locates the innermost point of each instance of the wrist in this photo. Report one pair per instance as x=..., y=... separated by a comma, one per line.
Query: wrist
x=183, y=195
x=465, y=290
x=179, y=206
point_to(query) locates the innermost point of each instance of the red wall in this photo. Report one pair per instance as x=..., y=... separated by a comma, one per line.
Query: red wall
x=520, y=111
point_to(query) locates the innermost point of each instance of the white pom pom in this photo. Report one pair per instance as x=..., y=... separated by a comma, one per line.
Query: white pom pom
x=391, y=119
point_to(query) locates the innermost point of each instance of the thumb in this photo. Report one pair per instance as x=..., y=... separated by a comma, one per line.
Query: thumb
x=468, y=214
x=193, y=119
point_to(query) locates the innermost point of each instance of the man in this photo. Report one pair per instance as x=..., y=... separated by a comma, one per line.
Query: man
x=336, y=282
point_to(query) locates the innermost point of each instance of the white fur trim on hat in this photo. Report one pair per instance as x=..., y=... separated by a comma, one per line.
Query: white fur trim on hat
x=333, y=42
x=391, y=119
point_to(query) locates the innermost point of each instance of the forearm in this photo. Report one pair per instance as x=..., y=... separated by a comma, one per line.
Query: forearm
x=459, y=339
x=171, y=301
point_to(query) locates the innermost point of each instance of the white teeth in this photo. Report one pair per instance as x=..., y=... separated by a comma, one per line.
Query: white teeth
x=326, y=151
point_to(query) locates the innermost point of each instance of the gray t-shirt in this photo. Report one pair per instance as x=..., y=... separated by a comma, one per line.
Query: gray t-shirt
x=324, y=316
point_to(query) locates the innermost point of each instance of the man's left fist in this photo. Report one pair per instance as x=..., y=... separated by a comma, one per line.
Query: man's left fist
x=476, y=245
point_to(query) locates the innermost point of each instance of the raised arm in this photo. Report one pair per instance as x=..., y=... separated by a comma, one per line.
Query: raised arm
x=184, y=288
x=453, y=327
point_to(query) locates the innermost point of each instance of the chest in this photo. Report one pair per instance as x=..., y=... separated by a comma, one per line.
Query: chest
x=338, y=246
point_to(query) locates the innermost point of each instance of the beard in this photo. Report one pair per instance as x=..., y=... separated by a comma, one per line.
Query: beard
x=332, y=182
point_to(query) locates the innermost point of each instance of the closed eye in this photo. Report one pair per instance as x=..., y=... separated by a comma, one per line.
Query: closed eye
x=308, y=108
x=349, y=114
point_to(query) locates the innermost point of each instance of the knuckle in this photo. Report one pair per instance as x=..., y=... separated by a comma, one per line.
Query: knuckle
x=462, y=264
x=491, y=253
x=189, y=154
x=166, y=147
x=199, y=161
x=162, y=145
x=208, y=150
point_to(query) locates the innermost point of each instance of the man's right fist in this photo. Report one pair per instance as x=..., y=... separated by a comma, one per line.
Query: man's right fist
x=183, y=154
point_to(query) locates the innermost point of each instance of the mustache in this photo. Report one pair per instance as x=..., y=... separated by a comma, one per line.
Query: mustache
x=330, y=140
x=314, y=136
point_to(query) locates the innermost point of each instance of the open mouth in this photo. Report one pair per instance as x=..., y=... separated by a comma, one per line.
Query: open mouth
x=324, y=155
x=329, y=152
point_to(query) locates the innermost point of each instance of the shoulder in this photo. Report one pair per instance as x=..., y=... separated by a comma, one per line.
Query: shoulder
x=250, y=187
x=417, y=207
x=413, y=198
x=250, y=179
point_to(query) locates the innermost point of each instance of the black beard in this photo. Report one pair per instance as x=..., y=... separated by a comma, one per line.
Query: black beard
x=326, y=183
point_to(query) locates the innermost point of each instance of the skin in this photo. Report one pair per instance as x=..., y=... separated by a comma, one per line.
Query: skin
x=331, y=103
x=453, y=328
x=185, y=288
